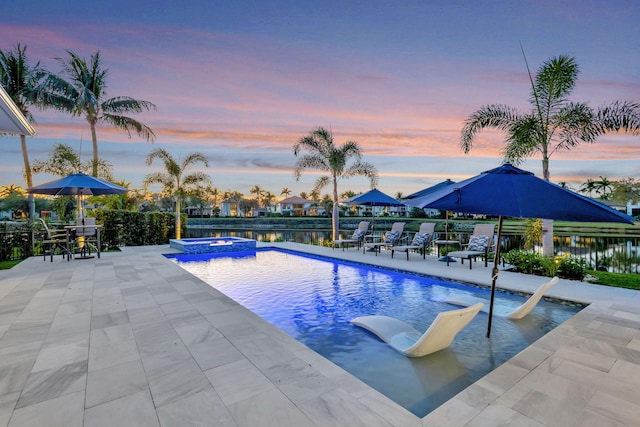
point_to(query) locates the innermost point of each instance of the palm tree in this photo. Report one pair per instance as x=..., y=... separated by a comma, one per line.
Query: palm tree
x=213, y=197
x=554, y=123
x=11, y=189
x=20, y=80
x=323, y=155
x=285, y=192
x=347, y=194
x=257, y=190
x=267, y=199
x=175, y=180
x=604, y=187
x=588, y=187
x=64, y=160
x=84, y=94
x=314, y=195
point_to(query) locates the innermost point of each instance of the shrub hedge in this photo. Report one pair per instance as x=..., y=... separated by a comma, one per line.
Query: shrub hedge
x=531, y=263
x=129, y=228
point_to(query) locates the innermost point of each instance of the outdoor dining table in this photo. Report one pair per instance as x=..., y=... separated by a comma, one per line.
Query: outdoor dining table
x=75, y=227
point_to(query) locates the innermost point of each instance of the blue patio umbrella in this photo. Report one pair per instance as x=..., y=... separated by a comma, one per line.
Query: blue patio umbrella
x=78, y=184
x=429, y=190
x=372, y=198
x=513, y=192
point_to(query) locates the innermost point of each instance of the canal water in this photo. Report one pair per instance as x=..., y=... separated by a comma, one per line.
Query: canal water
x=298, y=236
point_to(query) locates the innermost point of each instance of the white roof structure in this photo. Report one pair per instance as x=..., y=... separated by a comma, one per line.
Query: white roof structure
x=11, y=118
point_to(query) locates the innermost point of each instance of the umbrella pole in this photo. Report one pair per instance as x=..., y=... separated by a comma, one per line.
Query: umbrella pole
x=494, y=275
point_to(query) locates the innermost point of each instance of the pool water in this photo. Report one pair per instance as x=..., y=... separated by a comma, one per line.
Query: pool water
x=313, y=299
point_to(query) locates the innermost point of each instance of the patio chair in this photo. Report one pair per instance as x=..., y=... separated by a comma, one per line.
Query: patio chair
x=86, y=236
x=356, y=239
x=391, y=238
x=408, y=341
x=480, y=243
x=420, y=241
x=516, y=314
x=55, y=240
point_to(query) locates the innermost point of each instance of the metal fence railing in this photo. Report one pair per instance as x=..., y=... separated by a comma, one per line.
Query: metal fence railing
x=607, y=252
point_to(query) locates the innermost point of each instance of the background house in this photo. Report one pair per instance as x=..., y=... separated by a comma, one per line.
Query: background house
x=296, y=206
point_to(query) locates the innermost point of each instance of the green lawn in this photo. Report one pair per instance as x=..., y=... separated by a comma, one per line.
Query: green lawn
x=5, y=265
x=617, y=280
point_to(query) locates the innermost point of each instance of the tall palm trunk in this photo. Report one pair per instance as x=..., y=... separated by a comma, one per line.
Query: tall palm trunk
x=28, y=176
x=335, y=218
x=94, y=141
x=547, y=224
x=178, y=217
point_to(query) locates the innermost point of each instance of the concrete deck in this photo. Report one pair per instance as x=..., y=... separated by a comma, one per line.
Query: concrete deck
x=131, y=339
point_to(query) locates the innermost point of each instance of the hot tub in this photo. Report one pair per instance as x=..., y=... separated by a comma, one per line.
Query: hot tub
x=205, y=245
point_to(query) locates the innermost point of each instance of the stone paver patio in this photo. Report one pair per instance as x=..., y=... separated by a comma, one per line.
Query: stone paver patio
x=131, y=339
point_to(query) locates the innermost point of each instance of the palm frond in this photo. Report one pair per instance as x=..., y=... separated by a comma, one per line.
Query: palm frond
x=620, y=116
x=320, y=183
x=195, y=179
x=523, y=139
x=127, y=124
x=361, y=168
x=576, y=124
x=310, y=161
x=125, y=104
x=556, y=79
x=194, y=158
x=494, y=115
x=161, y=178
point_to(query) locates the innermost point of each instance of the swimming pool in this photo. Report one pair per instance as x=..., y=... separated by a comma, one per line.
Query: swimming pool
x=313, y=298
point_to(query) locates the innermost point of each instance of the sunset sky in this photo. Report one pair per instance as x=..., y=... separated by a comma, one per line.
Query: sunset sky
x=242, y=81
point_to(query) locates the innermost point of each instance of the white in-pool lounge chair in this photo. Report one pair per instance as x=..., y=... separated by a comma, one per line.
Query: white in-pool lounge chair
x=516, y=314
x=410, y=342
x=420, y=241
x=356, y=239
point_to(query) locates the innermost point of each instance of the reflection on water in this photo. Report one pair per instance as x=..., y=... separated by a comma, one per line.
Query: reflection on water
x=298, y=236
x=313, y=299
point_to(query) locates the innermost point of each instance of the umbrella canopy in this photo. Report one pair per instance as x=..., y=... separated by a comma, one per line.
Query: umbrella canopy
x=509, y=191
x=373, y=197
x=429, y=190
x=77, y=184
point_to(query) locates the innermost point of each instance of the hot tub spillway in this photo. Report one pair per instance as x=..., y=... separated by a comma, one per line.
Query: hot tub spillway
x=205, y=245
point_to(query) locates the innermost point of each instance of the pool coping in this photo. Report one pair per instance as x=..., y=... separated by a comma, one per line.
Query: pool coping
x=586, y=371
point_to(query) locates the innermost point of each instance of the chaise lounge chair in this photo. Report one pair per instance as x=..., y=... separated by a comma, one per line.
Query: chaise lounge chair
x=391, y=238
x=410, y=342
x=516, y=314
x=479, y=244
x=420, y=241
x=356, y=239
